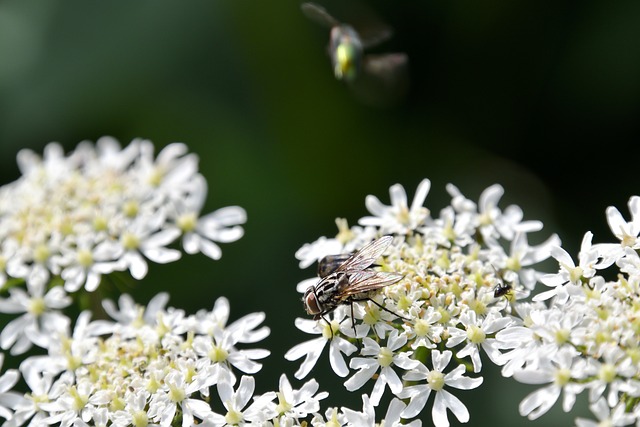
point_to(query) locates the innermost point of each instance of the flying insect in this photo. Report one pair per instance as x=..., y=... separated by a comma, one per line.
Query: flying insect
x=350, y=281
x=376, y=79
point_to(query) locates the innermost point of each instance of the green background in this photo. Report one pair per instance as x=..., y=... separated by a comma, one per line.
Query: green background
x=541, y=97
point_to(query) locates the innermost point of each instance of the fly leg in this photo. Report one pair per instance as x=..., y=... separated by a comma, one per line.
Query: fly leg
x=379, y=305
x=321, y=316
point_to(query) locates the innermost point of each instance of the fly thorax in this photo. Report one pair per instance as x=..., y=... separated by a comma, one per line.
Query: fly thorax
x=329, y=287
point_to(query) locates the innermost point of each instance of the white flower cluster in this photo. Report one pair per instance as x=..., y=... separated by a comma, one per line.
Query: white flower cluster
x=154, y=367
x=585, y=336
x=102, y=209
x=429, y=328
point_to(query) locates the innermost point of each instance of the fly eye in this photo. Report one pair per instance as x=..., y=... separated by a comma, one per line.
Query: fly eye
x=310, y=302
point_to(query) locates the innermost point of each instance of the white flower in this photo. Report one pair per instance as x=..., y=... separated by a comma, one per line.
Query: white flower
x=142, y=239
x=436, y=381
x=381, y=359
x=626, y=232
x=346, y=241
x=176, y=393
x=84, y=263
x=131, y=312
x=475, y=335
x=611, y=372
x=561, y=374
x=613, y=417
x=491, y=221
x=571, y=276
x=298, y=403
x=312, y=349
x=222, y=225
x=235, y=402
x=200, y=232
x=522, y=255
x=8, y=399
x=398, y=217
x=366, y=418
x=221, y=350
x=334, y=418
x=40, y=320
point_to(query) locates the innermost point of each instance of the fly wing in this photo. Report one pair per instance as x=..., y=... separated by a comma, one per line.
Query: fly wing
x=373, y=35
x=319, y=15
x=366, y=256
x=383, y=81
x=369, y=280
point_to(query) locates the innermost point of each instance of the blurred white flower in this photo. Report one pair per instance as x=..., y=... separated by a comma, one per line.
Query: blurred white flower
x=103, y=208
x=41, y=319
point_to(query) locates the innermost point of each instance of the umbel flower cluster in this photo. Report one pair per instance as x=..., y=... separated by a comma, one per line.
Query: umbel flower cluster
x=469, y=286
x=464, y=291
x=424, y=335
x=102, y=209
x=156, y=367
x=583, y=334
x=78, y=218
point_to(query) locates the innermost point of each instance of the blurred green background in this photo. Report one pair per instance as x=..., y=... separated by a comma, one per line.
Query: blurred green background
x=541, y=97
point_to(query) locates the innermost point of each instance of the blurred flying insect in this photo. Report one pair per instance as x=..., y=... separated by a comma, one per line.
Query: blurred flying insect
x=377, y=79
x=350, y=281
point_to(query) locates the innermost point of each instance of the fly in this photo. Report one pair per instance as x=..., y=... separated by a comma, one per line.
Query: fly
x=330, y=263
x=377, y=79
x=502, y=289
x=350, y=281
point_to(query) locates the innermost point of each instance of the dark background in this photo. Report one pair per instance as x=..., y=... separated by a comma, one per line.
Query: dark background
x=541, y=97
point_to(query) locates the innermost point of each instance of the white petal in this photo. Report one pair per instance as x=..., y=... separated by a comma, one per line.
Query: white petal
x=210, y=249
x=421, y=194
x=455, y=405
x=338, y=364
x=360, y=378
x=162, y=255
x=539, y=402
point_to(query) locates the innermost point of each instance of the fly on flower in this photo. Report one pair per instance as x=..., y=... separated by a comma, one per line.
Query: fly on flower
x=376, y=79
x=330, y=263
x=503, y=289
x=352, y=280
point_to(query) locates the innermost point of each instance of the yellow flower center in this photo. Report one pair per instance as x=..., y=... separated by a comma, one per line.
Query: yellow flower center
x=187, y=222
x=385, y=357
x=435, y=380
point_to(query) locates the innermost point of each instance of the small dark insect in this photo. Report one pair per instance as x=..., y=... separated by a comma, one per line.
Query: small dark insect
x=502, y=290
x=377, y=79
x=350, y=281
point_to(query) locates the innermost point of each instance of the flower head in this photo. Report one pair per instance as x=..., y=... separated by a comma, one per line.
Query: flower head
x=147, y=367
x=103, y=208
x=447, y=271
